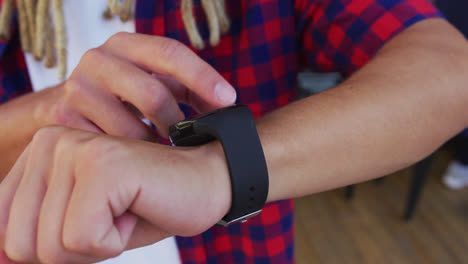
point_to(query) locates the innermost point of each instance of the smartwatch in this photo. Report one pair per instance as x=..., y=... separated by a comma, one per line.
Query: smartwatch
x=234, y=127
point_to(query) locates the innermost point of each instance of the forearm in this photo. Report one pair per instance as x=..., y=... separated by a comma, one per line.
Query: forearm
x=399, y=108
x=19, y=123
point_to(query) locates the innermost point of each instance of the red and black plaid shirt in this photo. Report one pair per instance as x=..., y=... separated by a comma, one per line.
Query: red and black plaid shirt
x=269, y=40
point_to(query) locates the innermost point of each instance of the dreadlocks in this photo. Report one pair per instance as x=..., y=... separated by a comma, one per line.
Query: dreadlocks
x=44, y=38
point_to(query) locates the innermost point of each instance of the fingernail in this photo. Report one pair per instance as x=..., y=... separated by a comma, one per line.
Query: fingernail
x=225, y=94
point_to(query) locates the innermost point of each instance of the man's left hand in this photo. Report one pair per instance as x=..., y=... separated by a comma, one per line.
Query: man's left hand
x=76, y=196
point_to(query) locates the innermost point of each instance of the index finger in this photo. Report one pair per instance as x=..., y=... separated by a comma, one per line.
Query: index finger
x=170, y=57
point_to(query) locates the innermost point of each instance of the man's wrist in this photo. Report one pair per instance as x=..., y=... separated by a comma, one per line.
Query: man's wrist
x=45, y=108
x=219, y=179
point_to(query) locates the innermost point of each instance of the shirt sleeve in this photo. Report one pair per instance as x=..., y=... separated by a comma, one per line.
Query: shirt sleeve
x=14, y=77
x=343, y=35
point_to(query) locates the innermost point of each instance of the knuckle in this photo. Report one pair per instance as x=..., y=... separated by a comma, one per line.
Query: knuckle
x=95, y=148
x=65, y=143
x=117, y=38
x=89, y=244
x=92, y=62
x=171, y=49
x=96, y=155
x=42, y=134
x=71, y=87
x=47, y=134
x=72, y=241
x=48, y=253
x=18, y=252
x=93, y=55
x=98, y=244
x=78, y=240
x=156, y=98
x=73, y=90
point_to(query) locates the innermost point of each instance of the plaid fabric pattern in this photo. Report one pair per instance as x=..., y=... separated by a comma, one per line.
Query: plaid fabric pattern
x=342, y=35
x=14, y=78
x=268, y=42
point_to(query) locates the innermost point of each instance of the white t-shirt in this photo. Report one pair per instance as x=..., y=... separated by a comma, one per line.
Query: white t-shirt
x=87, y=29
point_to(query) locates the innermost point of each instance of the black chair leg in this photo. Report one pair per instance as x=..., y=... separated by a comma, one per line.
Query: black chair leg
x=420, y=173
x=350, y=192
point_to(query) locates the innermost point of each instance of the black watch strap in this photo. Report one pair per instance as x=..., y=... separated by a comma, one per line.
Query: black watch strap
x=235, y=128
x=236, y=131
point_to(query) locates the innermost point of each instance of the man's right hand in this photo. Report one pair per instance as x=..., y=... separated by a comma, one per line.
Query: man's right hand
x=150, y=73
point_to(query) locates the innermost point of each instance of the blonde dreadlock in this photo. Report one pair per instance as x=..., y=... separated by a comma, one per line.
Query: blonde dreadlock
x=23, y=25
x=224, y=22
x=126, y=10
x=60, y=40
x=41, y=28
x=5, y=18
x=43, y=38
x=218, y=21
x=190, y=25
x=30, y=11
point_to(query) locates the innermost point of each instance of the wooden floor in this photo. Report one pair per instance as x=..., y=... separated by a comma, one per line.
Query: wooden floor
x=370, y=228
